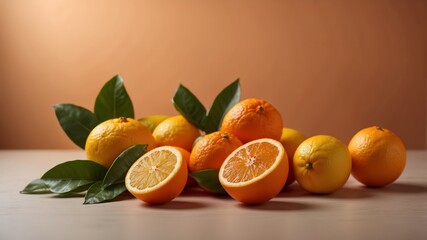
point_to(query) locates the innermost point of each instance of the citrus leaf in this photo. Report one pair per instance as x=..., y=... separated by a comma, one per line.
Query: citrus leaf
x=208, y=179
x=117, y=172
x=97, y=194
x=186, y=103
x=73, y=176
x=227, y=98
x=76, y=121
x=113, y=101
x=67, y=185
x=35, y=186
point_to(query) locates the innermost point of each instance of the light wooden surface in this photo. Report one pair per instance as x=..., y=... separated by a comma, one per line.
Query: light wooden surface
x=398, y=211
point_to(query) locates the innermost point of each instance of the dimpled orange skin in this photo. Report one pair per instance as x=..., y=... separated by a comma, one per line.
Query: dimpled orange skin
x=211, y=151
x=253, y=119
x=378, y=156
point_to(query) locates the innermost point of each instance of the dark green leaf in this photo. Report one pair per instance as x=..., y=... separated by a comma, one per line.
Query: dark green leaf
x=120, y=166
x=98, y=194
x=227, y=98
x=67, y=185
x=209, y=180
x=189, y=106
x=77, y=122
x=113, y=101
x=73, y=176
x=35, y=186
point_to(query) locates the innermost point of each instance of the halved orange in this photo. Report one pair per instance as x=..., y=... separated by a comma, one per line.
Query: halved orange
x=159, y=175
x=255, y=172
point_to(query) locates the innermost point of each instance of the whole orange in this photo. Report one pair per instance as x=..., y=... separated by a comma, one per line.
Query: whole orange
x=211, y=151
x=252, y=119
x=378, y=156
x=108, y=139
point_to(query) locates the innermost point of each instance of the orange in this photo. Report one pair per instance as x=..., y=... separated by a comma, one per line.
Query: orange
x=211, y=151
x=252, y=119
x=108, y=139
x=159, y=175
x=322, y=164
x=378, y=155
x=255, y=172
x=176, y=131
x=290, y=140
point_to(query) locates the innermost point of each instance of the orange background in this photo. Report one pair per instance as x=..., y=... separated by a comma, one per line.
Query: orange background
x=330, y=67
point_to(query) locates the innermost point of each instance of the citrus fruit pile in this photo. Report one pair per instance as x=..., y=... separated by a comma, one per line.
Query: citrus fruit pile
x=237, y=147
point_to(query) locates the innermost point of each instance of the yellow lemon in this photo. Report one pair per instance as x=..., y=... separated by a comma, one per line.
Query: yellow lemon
x=152, y=121
x=291, y=139
x=108, y=139
x=322, y=164
x=176, y=131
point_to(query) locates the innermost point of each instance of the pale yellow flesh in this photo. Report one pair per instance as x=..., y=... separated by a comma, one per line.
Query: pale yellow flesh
x=152, y=169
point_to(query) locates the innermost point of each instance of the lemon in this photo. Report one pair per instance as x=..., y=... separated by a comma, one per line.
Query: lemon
x=110, y=138
x=322, y=164
x=152, y=121
x=176, y=131
x=291, y=139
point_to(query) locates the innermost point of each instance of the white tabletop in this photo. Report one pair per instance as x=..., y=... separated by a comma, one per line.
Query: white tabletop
x=398, y=211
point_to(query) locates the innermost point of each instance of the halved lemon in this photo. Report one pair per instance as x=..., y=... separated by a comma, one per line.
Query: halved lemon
x=159, y=175
x=255, y=172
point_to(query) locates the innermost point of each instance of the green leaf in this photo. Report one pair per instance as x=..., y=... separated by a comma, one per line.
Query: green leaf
x=117, y=172
x=113, y=101
x=77, y=122
x=227, y=98
x=209, y=180
x=35, y=186
x=97, y=194
x=189, y=106
x=73, y=176
x=67, y=185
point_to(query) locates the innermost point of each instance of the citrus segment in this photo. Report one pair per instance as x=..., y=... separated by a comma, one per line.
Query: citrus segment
x=159, y=175
x=255, y=172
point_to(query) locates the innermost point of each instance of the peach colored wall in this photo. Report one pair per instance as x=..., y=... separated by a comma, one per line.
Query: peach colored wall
x=330, y=67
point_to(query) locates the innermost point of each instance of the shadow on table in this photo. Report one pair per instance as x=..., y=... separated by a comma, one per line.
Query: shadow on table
x=176, y=205
x=404, y=188
x=274, y=205
x=295, y=190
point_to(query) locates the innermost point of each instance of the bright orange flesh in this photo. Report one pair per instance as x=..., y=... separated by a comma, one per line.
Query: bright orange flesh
x=250, y=162
x=255, y=172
